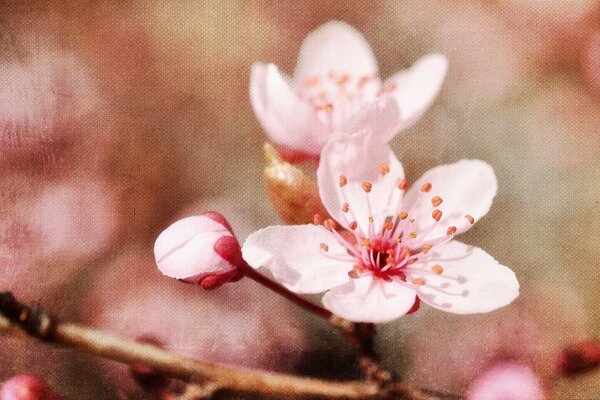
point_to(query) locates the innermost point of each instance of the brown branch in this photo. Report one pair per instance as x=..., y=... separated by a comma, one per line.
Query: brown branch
x=20, y=320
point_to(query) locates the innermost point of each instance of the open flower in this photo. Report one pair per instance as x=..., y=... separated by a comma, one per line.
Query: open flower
x=336, y=75
x=398, y=247
x=200, y=249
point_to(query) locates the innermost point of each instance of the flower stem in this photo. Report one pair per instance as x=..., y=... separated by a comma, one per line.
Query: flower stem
x=251, y=273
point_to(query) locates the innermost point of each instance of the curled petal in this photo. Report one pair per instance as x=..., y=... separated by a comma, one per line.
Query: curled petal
x=286, y=119
x=296, y=258
x=358, y=153
x=370, y=300
x=463, y=279
x=466, y=188
x=334, y=46
x=416, y=88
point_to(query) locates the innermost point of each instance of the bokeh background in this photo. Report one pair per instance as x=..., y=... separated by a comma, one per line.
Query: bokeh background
x=116, y=118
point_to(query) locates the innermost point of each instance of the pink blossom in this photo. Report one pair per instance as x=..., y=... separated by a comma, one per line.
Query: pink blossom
x=399, y=247
x=199, y=249
x=336, y=75
x=26, y=387
x=507, y=381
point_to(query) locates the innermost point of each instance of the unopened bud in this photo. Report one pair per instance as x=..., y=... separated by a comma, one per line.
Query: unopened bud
x=147, y=378
x=579, y=357
x=27, y=387
x=200, y=249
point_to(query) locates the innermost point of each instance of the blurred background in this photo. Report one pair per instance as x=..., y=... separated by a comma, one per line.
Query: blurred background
x=116, y=118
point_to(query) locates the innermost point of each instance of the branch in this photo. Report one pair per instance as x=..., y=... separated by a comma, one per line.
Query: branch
x=20, y=320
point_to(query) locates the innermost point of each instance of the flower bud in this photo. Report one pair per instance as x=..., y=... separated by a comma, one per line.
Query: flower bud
x=199, y=249
x=147, y=378
x=26, y=387
x=579, y=357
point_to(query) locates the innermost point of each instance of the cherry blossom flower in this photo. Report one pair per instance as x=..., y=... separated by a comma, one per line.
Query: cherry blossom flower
x=398, y=247
x=335, y=76
x=507, y=381
x=199, y=249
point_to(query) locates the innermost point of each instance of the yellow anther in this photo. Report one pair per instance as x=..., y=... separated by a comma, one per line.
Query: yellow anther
x=403, y=185
x=437, y=269
x=436, y=214
x=418, y=281
x=343, y=181
x=384, y=169
x=426, y=187
x=403, y=215
x=412, y=235
x=436, y=201
x=367, y=186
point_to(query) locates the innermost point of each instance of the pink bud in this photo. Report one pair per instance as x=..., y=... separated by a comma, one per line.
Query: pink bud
x=200, y=249
x=26, y=387
x=507, y=381
x=579, y=357
x=148, y=378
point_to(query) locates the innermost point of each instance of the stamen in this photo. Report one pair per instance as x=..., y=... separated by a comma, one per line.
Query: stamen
x=403, y=185
x=324, y=247
x=412, y=235
x=345, y=207
x=329, y=224
x=451, y=230
x=470, y=219
x=426, y=247
x=353, y=225
x=343, y=181
x=426, y=187
x=418, y=281
x=367, y=186
x=403, y=215
x=384, y=169
x=317, y=219
x=436, y=201
x=328, y=107
x=388, y=225
x=436, y=214
x=437, y=269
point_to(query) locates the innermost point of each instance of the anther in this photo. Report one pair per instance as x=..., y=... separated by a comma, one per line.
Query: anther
x=437, y=269
x=388, y=225
x=343, y=181
x=436, y=214
x=324, y=247
x=367, y=186
x=329, y=224
x=403, y=215
x=317, y=219
x=403, y=185
x=345, y=207
x=412, y=235
x=371, y=220
x=451, y=230
x=426, y=187
x=353, y=225
x=418, y=281
x=436, y=201
x=328, y=107
x=384, y=169
x=426, y=247
x=470, y=219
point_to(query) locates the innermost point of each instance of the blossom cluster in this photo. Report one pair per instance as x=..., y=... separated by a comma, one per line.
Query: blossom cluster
x=386, y=245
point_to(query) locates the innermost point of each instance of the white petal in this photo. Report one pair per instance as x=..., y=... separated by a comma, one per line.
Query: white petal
x=369, y=300
x=466, y=187
x=357, y=153
x=471, y=281
x=334, y=46
x=287, y=120
x=295, y=258
x=416, y=88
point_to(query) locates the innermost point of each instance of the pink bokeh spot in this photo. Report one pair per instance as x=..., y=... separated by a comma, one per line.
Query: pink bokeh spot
x=335, y=77
x=507, y=381
x=399, y=242
x=26, y=387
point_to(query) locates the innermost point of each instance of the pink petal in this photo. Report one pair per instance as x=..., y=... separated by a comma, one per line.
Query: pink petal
x=507, y=381
x=369, y=300
x=471, y=282
x=467, y=188
x=294, y=256
x=357, y=153
x=334, y=47
x=286, y=119
x=185, y=250
x=416, y=88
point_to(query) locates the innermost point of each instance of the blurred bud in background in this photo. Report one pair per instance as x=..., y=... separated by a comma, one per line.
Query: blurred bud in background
x=507, y=381
x=26, y=387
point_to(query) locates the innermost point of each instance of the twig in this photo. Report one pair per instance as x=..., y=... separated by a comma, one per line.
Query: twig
x=19, y=320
